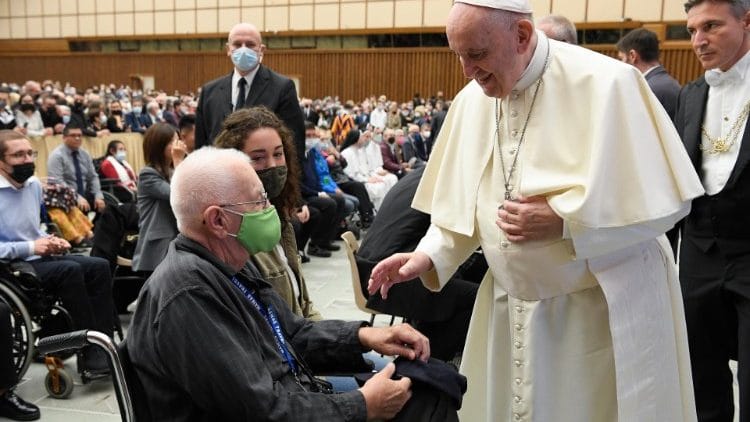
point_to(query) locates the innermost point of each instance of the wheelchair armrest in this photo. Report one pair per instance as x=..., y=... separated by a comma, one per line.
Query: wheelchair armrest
x=20, y=267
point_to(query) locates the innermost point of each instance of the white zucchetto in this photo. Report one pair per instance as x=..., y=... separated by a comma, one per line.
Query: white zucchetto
x=518, y=6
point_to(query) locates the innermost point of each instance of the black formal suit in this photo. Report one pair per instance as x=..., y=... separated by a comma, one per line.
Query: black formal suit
x=269, y=89
x=715, y=271
x=443, y=316
x=665, y=87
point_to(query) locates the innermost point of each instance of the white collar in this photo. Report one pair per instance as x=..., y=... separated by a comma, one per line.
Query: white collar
x=5, y=183
x=536, y=66
x=249, y=77
x=736, y=73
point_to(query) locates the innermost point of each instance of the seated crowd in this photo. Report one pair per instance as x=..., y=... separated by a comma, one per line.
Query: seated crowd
x=342, y=178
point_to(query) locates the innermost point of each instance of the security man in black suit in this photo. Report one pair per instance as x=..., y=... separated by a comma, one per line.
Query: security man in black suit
x=711, y=118
x=249, y=84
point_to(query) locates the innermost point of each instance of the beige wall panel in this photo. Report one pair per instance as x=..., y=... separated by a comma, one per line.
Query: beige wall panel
x=105, y=24
x=184, y=21
x=86, y=25
x=51, y=7
x=300, y=1
x=123, y=6
x=164, y=22
x=166, y=5
x=207, y=21
x=143, y=5
x=68, y=7
x=643, y=10
x=69, y=26
x=380, y=14
x=5, y=10
x=228, y=18
x=33, y=7
x=105, y=6
x=86, y=6
x=206, y=3
x=34, y=27
x=144, y=23
x=674, y=10
x=408, y=13
x=230, y=3
x=184, y=4
x=301, y=17
x=435, y=12
x=17, y=8
x=253, y=15
x=4, y=28
x=352, y=15
x=541, y=7
x=277, y=18
x=605, y=11
x=326, y=16
x=125, y=24
x=575, y=10
x=18, y=27
x=277, y=2
x=251, y=3
x=51, y=26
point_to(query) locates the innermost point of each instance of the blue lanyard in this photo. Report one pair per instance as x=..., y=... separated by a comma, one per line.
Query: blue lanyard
x=273, y=321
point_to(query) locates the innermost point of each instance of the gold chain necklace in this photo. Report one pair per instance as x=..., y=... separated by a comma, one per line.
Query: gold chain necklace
x=507, y=177
x=719, y=145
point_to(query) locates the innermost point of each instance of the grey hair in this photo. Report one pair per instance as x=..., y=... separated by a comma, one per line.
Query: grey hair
x=206, y=177
x=561, y=27
x=739, y=7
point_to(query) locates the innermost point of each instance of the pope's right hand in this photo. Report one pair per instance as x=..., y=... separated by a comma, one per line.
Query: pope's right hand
x=397, y=268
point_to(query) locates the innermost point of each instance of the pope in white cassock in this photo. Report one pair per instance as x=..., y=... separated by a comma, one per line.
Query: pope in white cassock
x=563, y=166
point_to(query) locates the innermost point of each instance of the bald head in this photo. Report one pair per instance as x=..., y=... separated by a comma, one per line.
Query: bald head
x=558, y=28
x=210, y=176
x=243, y=28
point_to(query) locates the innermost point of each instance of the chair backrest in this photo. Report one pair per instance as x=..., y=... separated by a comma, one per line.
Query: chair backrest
x=352, y=246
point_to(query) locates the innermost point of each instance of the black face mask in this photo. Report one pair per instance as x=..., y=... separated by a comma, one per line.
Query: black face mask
x=273, y=179
x=117, y=112
x=27, y=107
x=22, y=172
x=391, y=140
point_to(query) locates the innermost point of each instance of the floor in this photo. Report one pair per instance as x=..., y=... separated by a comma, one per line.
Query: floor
x=329, y=284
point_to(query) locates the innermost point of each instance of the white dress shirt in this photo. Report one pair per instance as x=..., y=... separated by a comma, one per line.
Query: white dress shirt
x=236, y=85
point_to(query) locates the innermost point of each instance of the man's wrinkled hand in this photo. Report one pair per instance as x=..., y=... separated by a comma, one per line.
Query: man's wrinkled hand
x=529, y=218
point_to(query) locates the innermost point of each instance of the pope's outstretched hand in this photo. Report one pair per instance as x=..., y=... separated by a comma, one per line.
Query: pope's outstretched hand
x=397, y=268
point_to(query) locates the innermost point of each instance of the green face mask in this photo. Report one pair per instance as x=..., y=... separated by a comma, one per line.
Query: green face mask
x=259, y=231
x=273, y=179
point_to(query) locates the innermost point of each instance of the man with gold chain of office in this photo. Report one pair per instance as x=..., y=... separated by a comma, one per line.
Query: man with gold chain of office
x=712, y=114
x=563, y=166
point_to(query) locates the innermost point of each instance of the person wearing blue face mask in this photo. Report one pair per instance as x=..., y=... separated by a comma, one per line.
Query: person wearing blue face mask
x=133, y=119
x=249, y=84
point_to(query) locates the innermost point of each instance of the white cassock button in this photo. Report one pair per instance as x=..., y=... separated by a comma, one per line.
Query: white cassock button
x=518, y=345
x=512, y=151
x=504, y=244
x=518, y=327
x=518, y=381
x=518, y=363
x=520, y=309
x=513, y=113
x=517, y=416
x=514, y=133
x=517, y=399
x=514, y=95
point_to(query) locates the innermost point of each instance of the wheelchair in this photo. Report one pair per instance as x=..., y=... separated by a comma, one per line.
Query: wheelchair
x=34, y=313
x=130, y=392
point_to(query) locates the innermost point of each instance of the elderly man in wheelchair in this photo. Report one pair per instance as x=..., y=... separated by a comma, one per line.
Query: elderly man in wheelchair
x=82, y=283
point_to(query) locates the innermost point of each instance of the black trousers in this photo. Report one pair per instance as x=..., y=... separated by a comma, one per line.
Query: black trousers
x=84, y=284
x=716, y=293
x=332, y=209
x=359, y=190
x=7, y=370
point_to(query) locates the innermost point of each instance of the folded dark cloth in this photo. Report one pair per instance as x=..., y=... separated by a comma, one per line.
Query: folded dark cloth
x=434, y=374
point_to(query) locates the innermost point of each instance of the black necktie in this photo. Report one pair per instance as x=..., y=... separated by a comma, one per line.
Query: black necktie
x=79, y=175
x=241, y=96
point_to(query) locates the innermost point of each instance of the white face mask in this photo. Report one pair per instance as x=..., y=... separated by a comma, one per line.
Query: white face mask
x=311, y=143
x=426, y=134
x=120, y=155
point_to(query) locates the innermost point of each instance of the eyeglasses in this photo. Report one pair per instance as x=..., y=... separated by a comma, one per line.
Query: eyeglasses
x=20, y=155
x=74, y=135
x=259, y=202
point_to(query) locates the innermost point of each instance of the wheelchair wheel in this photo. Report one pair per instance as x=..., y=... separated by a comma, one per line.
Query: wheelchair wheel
x=23, y=337
x=59, y=383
